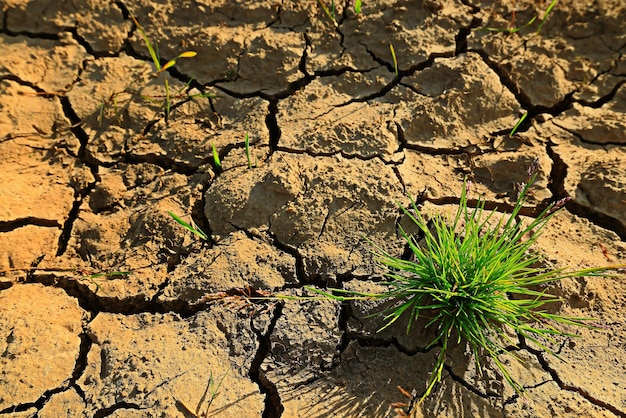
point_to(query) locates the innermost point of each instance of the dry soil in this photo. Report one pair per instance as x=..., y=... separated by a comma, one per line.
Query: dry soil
x=91, y=166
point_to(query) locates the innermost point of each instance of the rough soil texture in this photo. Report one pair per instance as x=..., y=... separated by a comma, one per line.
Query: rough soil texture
x=91, y=166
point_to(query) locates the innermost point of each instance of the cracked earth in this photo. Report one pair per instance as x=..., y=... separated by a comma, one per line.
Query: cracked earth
x=90, y=169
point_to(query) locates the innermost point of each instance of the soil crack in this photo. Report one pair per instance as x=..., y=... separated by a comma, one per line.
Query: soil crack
x=461, y=37
x=604, y=99
x=105, y=412
x=273, y=405
x=79, y=367
x=469, y=386
x=564, y=386
x=557, y=187
x=271, y=122
x=533, y=110
x=7, y=226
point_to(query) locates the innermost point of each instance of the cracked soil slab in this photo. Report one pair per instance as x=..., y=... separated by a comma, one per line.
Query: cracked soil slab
x=290, y=139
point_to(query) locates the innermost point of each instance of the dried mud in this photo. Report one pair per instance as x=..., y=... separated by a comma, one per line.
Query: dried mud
x=91, y=166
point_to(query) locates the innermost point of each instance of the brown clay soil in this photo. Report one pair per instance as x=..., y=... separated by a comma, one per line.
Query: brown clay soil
x=91, y=166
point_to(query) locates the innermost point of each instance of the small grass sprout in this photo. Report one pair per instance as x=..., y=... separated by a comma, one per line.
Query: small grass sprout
x=212, y=390
x=96, y=276
x=512, y=29
x=191, y=228
x=545, y=15
x=112, y=101
x=153, y=50
x=518, y=124
x=527, y=24
x=248, y=152
x=330, y=12
x=395, y=60
x=247, y=145
x=475, y=280
x=358, y=4
x=216, y=158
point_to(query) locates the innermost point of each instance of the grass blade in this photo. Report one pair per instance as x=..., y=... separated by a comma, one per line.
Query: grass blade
x=545, y=15
x=153, y=52
x=328, y=12
x=247, y=145
x=357, y=6
x=194, y=229
x=395, y=61
x=517, y=125
x=216, y=158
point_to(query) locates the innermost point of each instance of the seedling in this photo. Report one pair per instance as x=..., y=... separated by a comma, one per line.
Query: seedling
x=395, y=60
x=545, y=15
x=216, y=159
x=93, y=277
x=114, y=101
x=156, y=59
x=80, y=274
x=357, y=6
x=517, y=125
x=513, y=29
x=330, y=12
x=476, y=282
x=213, y=390
x=530, y=22
x=247, y=145
x=192, y=228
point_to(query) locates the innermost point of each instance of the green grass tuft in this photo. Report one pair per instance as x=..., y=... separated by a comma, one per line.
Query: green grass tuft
x=476, y=281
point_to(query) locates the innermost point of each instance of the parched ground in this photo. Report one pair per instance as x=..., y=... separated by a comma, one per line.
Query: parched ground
x=91, y=166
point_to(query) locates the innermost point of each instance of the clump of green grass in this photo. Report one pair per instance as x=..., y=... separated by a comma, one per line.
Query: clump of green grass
x=477, y=281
